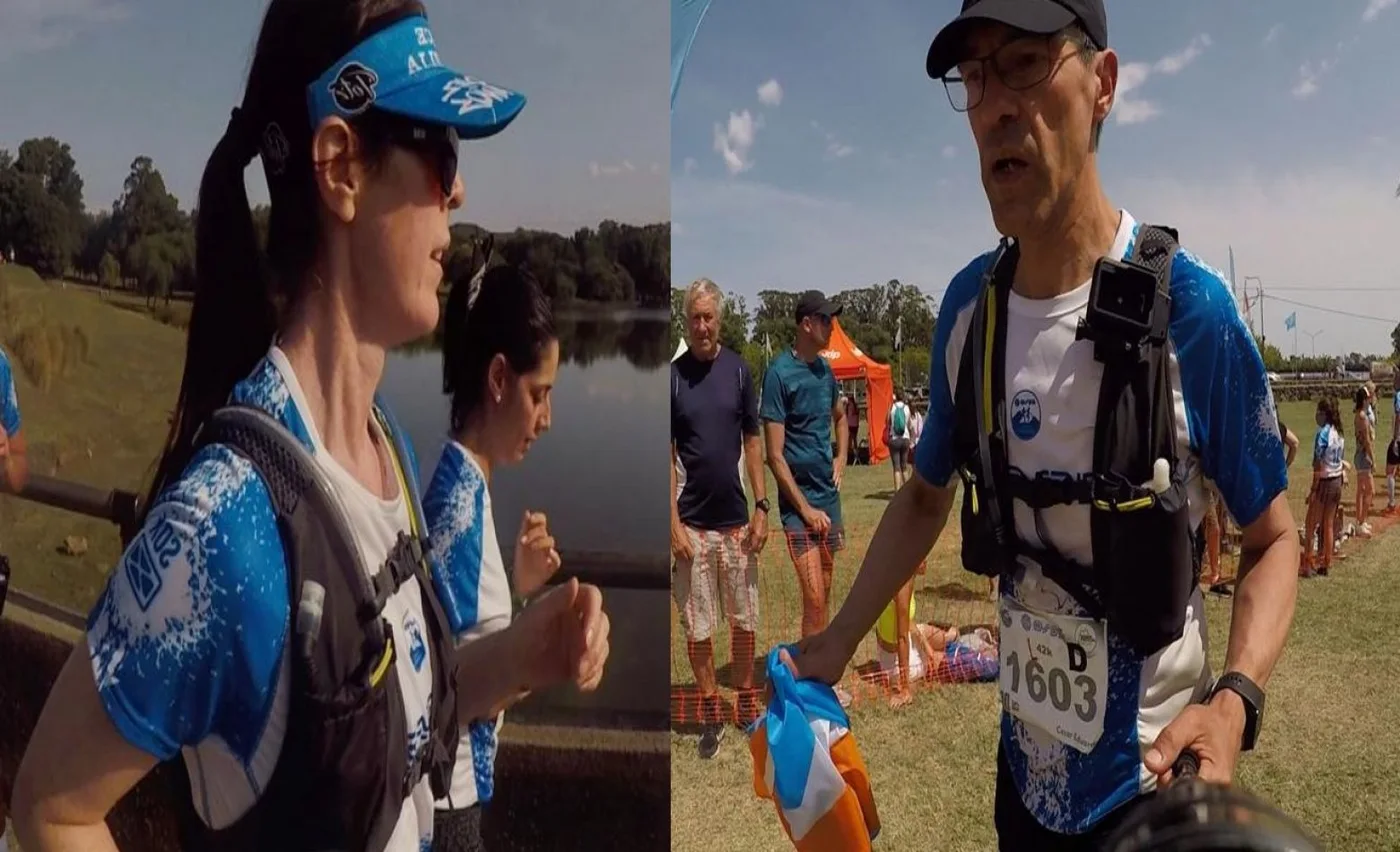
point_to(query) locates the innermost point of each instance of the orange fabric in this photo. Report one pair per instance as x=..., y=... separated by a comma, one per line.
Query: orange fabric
x=849, y=362
x=849, y=824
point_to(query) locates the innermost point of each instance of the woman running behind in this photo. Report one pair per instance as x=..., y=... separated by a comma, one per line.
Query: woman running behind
x=500, y=356
x=1364, y=422
x=1329, y=448
x=197, y=647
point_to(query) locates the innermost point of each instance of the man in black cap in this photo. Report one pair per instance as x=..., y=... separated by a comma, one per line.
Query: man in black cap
x=1093, y=719
x=801, y=404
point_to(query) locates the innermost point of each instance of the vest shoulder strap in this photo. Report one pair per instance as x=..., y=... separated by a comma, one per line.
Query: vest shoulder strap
x=296, y=485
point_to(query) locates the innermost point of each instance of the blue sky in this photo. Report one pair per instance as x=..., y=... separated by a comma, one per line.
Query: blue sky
x=118, y=78
x=811, y=150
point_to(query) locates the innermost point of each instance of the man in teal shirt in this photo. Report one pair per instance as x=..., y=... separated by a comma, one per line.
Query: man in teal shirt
x=801, y=406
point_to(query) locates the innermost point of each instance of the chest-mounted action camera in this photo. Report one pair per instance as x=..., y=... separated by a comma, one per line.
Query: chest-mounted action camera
x=1126, y=310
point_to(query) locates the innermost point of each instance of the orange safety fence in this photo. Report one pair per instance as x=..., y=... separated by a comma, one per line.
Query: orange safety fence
x=945, y=595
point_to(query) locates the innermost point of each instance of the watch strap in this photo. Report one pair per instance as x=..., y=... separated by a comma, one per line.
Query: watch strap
x=1253, y=698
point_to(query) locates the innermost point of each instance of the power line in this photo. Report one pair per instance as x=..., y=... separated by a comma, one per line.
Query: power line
x=1371, y=317
x=1346, y=289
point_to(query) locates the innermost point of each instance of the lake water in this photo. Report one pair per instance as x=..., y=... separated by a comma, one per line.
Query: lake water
x=600, y=474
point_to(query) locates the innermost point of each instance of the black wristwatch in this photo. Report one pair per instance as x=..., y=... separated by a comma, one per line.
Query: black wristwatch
x=1253, y=698
x=761, y=505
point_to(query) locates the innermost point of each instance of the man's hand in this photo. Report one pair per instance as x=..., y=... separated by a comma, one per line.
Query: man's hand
x=536, y=560
x=821, y=656
x=816, y=521
x=1214, y=731
x=758, y=531
x=681, y=551
x=562, y=636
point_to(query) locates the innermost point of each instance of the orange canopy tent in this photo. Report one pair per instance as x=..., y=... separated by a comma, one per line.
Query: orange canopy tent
x=848, y=362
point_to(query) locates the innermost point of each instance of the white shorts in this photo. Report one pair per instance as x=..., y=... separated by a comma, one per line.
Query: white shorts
x=722, y=575
x=889, y=661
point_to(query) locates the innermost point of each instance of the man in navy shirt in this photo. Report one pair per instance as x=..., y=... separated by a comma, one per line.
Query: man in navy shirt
x=714, y=540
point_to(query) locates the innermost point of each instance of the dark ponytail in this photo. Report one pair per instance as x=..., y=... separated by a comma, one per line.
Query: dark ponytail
x=507, y=314
x=240, y=295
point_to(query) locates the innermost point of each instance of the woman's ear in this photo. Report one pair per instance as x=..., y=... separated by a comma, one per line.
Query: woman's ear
x=496, y=374
x=334, y=154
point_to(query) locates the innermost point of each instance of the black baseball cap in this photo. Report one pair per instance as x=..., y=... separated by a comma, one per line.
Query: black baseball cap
x=1041, y=17
x=813, y=303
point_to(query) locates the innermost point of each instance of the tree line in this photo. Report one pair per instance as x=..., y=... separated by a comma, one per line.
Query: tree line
x=872, y=315
x=145, y=241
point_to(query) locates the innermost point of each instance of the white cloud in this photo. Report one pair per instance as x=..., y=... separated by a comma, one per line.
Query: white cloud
x=625, y=167
x=1272, y=35
x=838, y=150
x=689, y=166
x=835, y=148
x=1131, y=111
x=1173, y=63
x=1374, y=8
x=32, y=26
x=1128, y=109
x=1310, y=74
x=770, y=93
x=949, y=152
x=733, y=140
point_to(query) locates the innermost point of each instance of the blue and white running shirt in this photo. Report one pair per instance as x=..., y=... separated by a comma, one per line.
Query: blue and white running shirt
x=189, y=638
x=471, y=582
x=1226, y=425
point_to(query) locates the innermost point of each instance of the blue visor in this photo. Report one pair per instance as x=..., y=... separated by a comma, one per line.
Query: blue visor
x=398, y=70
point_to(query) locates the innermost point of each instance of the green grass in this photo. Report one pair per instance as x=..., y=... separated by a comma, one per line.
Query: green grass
x=101, y=420
x=1328, y=756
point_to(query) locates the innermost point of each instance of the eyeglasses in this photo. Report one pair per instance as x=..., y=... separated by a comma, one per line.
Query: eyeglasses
x=1022, y=63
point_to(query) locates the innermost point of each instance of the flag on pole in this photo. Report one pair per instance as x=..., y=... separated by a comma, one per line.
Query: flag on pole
x=1290, y=321
x=686, y=16
x=899, y=333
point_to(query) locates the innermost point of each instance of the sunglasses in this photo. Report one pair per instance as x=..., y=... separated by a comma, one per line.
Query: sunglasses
x=435, y=144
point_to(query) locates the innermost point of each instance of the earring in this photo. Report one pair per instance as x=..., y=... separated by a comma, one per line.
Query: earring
x=498, y=399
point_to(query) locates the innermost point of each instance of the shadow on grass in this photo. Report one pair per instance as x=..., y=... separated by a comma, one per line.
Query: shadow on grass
x=949, y=592
x=886, y=496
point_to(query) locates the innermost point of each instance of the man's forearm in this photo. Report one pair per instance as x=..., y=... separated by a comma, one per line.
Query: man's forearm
x=1265, y=596
x=675, y=490
x=787, y=485
x=907, y=531
x=753, y=466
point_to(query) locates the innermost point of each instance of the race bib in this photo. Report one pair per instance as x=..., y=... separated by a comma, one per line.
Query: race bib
x=1054, y=673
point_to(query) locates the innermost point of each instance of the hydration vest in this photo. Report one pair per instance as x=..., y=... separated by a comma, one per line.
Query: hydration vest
x=1145, y=566
x=343, y=773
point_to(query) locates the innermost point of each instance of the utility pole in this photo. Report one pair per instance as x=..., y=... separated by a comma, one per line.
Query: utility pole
x=1263, y=335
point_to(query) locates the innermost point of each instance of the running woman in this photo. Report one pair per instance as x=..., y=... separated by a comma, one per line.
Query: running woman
x=500, y=357
x=189, y=650
x=1329, y=449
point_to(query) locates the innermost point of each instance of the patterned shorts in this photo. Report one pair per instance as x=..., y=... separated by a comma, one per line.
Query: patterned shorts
x=722, y=575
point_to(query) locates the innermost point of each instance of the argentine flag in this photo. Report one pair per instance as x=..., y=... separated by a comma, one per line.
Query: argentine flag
x=805, y=759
